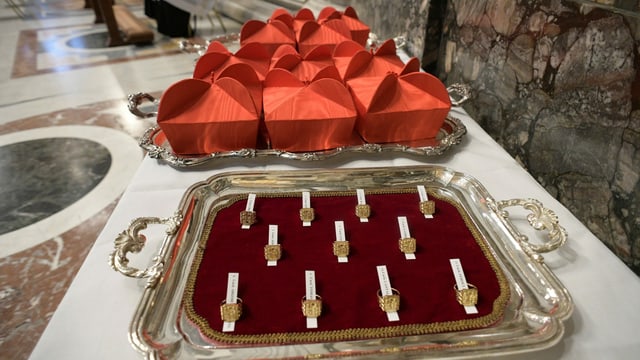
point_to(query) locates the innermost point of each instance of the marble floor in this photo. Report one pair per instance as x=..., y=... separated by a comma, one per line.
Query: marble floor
x=68, y=146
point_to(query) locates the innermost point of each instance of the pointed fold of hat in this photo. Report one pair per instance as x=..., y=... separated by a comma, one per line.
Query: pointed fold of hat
x=283, y=15
x=247, y=77
x=290, y=55
x=217, y=46
x=329, y=33
x=313, y=116
x=403, y=108
x=345, y=52
x=294, y=22
x=359, y=30
x=198, y=117
x=304, y=14
x=217, y=58
x=366, y=64
x=271, y=34
x=304, y=68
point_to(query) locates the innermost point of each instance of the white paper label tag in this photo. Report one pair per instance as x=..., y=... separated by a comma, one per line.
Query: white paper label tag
x=424, y=197
x=403, y=225
x=340, y=236
x=251, y=200
x=310, y=294
x=273, y=240
x=362, y=200
x=385, y=289
x=231, y=298
x=306, y=203
x=461, y=282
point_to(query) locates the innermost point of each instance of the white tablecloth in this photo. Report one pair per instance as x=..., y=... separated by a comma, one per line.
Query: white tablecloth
x=93, y=319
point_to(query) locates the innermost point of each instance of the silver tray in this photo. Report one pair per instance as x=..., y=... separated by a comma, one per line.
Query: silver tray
x=533, y=318
x=450, y=134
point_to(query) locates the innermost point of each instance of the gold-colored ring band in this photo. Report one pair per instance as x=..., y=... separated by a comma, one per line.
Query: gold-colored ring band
x=312, y=308
x=389, y=303
x=272, y=252
x=428, y=207
x=307, y=214
x=341, y=248
x=466, y=297
x=231, y=312
x=247, y=218
x=407, y=245
x=363, y=211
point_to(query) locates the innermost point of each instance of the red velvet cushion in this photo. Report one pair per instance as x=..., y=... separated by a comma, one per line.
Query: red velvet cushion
x=272, y=295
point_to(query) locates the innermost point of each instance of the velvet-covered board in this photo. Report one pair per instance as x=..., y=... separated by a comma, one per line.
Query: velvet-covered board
x=272, y=295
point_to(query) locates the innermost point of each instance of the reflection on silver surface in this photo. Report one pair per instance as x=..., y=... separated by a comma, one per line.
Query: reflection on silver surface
x=533, y=317
x=450, y=134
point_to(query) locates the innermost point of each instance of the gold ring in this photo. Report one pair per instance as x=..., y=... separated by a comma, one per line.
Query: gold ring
x=231, y=312
x=247, y=218
x=363, y=211
x=407, y=245
x=389, y=303
x=272, y=252
x=341, y=248
x=466, y=297
x=312, y=308
x=307, y=214
x=427, y=207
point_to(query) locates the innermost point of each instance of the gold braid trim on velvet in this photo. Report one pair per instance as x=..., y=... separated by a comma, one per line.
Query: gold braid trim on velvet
x=499, y=303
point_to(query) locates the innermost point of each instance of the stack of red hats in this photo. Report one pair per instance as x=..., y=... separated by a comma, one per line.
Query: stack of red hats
x=301, y=84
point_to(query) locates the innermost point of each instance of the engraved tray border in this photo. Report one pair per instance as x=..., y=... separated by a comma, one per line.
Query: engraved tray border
x=450, y=134
x=533, y=319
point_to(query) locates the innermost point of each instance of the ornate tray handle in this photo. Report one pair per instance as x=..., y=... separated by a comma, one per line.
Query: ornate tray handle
x=459, y=93
x=130, y=240
x=136, y=99
x=540, y=218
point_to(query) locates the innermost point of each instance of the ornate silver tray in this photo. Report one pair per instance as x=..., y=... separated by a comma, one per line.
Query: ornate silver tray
x=157, y=147
x=534, y=313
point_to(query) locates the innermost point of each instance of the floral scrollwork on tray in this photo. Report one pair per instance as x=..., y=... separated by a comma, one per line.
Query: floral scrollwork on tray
x=540, y=218
x=132, y=241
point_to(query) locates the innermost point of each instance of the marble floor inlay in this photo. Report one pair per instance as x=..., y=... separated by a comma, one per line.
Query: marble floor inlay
x=41, y=177
x=65, y=180
x=68, y=149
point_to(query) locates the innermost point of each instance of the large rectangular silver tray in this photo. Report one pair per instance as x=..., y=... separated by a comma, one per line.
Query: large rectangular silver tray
x=533, y=317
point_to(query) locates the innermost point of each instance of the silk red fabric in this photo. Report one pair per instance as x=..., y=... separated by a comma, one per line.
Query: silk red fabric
x=399, y=108
x=359, y=30
x=328, y=33
x=304, y=68
x=327, y=92
x=199, y=117
x=301, y=117
x=217, y=58
x=271, y=34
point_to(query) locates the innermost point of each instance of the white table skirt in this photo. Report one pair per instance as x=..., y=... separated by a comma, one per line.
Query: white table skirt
x=92, y=321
